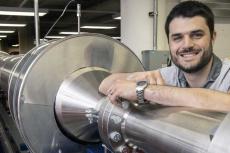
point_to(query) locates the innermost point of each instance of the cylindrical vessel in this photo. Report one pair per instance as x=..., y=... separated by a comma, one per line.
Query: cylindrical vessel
x=54, y=99
x=7, y=64
x=154, y=128
x=32, y=83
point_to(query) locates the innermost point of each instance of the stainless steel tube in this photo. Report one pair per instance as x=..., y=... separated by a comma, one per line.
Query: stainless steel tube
x=78, y=18
x=158, y=129
x=155, y=24
x=33, y=80
x=36, y=21
x=7, y=64
x=53, y=97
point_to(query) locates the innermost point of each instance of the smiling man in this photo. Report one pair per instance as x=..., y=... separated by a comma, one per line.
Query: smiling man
x=198, y=78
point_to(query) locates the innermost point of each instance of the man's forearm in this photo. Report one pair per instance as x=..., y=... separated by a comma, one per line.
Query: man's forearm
x=190, y=97
x=153, y=77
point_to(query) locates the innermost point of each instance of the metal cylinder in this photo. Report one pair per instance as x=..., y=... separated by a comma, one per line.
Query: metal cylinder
x=150, y=128
x=7, y=64
x=154, y=128
x=53, y=97
x=33, y=80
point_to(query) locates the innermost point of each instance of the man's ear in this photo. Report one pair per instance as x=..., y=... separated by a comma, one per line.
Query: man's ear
x=213, y=36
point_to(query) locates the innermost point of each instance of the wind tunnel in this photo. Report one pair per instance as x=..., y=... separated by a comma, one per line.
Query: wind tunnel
x=54, y=101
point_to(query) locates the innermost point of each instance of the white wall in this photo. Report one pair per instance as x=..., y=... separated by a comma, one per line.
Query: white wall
x=164, y=6
x=135, y=18
x=222, y=43
x=136, y=25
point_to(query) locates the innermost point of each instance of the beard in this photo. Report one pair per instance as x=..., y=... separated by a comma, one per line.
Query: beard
x=204, y=60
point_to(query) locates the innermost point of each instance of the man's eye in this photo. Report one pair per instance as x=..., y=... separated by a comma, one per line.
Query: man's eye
x=197, y=35
x=177, y=38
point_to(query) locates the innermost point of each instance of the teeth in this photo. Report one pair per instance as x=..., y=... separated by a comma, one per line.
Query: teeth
x=188, y=54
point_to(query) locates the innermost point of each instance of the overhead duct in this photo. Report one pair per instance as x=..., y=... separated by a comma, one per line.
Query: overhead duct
x=53, y=97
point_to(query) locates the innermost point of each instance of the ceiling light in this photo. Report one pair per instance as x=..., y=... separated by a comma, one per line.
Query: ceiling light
x=117, y=18
x=70, y=33
x=16, y=45
x=7, y=31
x=54, y=37
x=98, y=27
x=21, y=11
x=116, y=37
x=12, y=25
x=3, y=36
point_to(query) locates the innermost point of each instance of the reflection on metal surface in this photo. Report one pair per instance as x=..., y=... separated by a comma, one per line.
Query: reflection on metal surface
x=158, y=129
x=35, y=79
x=54, y=100
x=76, y=105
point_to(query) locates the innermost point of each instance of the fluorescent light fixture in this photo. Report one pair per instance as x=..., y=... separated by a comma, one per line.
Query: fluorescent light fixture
x=0, y=39
x=16, y=45
x=98, y=27
x=14, y=11
x=70, y=33
x=7, y=31
x=21, y=13
x=3, y=36
x=54, y=37
x=117, y=18
x=11, y=25
x=116, y=37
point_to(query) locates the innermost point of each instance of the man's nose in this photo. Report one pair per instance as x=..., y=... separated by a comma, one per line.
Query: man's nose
x=188, y=42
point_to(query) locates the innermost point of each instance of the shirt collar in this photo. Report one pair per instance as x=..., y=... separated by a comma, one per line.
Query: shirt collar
x=213, y=74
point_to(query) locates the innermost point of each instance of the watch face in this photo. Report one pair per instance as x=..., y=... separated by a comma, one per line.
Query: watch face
x=142, y=83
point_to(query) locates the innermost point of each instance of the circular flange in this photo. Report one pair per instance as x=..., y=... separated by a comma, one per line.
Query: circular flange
x=37, y=80
x=77, y=104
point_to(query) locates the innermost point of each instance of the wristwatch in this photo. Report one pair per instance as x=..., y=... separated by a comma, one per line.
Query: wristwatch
x=140, y=87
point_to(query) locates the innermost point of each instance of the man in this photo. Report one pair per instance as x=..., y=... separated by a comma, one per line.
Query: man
x=198, y=79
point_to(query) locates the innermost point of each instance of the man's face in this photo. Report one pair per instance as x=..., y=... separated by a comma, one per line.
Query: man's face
x=190, y=43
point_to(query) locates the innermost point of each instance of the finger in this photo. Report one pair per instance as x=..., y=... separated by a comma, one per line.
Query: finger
x=110, y=91
x=113, y=99
x=110, y=98
x=160, y=80
x=153, y=81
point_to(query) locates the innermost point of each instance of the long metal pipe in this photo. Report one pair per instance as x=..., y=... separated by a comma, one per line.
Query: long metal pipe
x=7, y=64
x=78, y=17
x=155, y=24
x=36, y=21
x=159, y=129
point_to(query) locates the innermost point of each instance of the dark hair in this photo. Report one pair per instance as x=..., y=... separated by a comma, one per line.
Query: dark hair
x=191, y=9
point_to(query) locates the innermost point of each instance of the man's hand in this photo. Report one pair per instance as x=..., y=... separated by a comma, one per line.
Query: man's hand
x=122, y=89
x=153, y=77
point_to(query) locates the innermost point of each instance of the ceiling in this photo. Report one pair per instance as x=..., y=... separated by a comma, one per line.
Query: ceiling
x=93, y=12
